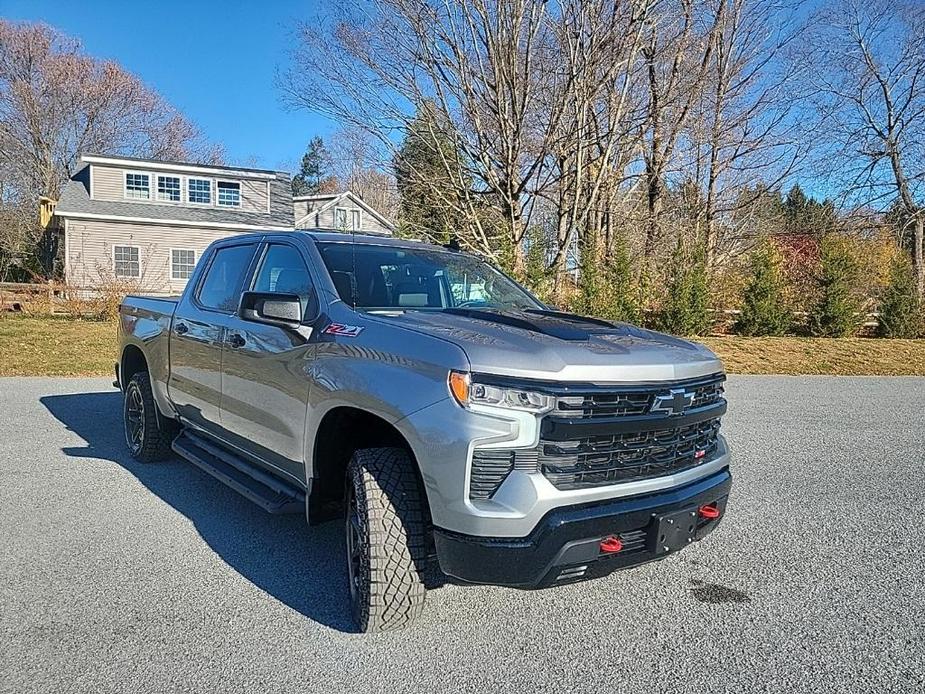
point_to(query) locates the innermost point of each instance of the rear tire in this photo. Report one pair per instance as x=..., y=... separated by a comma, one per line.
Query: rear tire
x=385, y=531
x=146, y=441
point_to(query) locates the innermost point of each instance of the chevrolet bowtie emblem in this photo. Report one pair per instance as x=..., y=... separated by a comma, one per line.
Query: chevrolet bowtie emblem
x=675, y=401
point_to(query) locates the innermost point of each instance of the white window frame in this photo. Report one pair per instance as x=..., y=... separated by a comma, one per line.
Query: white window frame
x=357, y=213
x=218, y=202
x=211, y=202
x=125, y=175
x=113, y=255
x=346, y=211
x=157, y=192
x=173, y=275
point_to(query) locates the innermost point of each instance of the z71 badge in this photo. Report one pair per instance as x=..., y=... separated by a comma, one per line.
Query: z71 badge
x=343, y=330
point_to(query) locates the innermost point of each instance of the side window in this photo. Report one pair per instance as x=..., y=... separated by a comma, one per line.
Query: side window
x=282, y=270
x=221, y=287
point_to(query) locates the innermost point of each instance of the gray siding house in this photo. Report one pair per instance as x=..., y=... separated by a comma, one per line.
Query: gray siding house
x=146, y=222
x=341, y=212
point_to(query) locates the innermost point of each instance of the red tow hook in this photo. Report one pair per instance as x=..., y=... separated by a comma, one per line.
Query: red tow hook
x=708, y=511
x=611, y=545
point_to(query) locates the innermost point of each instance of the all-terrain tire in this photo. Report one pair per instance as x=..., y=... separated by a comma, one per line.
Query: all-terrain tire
x=386, y=539
x=146, y=441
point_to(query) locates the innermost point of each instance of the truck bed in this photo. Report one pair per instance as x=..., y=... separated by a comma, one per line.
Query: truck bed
x=145, y=322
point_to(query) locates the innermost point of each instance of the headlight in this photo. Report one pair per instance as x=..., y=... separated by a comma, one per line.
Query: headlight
x=468, y=393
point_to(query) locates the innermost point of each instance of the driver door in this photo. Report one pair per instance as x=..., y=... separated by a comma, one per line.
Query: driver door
x=266, y=368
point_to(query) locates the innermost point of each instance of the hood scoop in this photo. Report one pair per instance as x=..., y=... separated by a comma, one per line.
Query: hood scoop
x=563, y=326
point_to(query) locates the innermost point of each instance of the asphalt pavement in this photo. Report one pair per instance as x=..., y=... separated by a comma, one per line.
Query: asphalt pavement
x=122, y=577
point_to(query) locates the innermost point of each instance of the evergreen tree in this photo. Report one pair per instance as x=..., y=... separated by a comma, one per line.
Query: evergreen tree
x=838, y=310
x=805, y=215
x=592, y=284
x=624, y=289
x=535, y=262
x=686, y=310
x=422, y=165
x=765, y=310
x=608, y=288
x=900, y=308
x=314, y=174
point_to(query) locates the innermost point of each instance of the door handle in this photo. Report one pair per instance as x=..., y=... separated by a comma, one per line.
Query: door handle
x=236, y=340
x=181, y=328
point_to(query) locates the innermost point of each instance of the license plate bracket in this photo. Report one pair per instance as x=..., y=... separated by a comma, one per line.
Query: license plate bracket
x=672, y=531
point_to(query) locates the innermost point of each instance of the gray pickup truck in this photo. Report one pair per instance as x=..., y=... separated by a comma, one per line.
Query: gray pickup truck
x=434, y=405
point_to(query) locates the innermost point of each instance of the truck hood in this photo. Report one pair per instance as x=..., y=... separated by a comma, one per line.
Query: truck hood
x=556, y=346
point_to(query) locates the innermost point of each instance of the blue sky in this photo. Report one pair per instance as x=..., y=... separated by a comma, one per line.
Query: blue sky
x=214, y=61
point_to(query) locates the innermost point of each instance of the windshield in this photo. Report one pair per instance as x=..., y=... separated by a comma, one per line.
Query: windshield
x=392, y=277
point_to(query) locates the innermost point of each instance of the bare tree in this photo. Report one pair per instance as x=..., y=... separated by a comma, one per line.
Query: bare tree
x=358, y=165
x=56, y=103
x=745, y=133
x=487, y=67
x=868, y=65
x=677, y=54
x=600, y=43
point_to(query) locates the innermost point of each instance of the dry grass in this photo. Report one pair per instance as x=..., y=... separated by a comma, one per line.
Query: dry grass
x=56, y=347
x=66, y=347
x=850, y=356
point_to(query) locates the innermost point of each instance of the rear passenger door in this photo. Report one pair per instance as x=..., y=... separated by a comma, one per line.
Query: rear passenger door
x=266, y=369
x=198, y=333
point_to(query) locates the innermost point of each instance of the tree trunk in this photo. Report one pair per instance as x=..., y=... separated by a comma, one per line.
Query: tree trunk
x=917, y=253
x=654, y=210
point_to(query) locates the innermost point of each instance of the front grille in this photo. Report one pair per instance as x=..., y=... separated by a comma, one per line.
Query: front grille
x=602, y=435
x=635, y=400
x=602, y=460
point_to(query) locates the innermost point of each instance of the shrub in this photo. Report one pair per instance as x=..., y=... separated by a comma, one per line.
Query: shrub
x=901, y=308
x=685, y=310
x=838, y=311
x=764, y=308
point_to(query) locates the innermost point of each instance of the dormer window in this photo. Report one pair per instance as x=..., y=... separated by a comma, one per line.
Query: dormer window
x=138, y=186
x=199, y=190
x=229, y=194
x=168, y=188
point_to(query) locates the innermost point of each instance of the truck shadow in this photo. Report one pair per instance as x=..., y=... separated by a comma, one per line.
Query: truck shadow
x=301, y=567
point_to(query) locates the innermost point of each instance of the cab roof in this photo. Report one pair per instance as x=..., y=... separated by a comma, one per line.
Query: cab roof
x=365, y=239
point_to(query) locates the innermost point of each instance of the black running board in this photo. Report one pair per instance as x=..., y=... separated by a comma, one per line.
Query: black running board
x=270, y=493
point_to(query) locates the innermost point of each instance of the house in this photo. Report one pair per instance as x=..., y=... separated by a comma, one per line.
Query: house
x=341, y=212
x=146, y=222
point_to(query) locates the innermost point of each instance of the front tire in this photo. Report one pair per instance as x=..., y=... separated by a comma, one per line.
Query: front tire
x=146, y=441
x=385, y=532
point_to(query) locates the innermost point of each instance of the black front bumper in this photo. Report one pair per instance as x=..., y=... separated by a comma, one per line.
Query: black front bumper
x=566, y=544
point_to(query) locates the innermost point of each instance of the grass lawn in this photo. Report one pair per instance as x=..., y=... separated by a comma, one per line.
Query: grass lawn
x=847, y=356
x=64, y=347
x=56, y=347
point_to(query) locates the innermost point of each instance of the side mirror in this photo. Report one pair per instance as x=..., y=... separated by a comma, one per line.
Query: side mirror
x=283, y=310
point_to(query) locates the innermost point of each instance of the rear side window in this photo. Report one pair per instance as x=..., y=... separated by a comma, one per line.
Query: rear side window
x=220, y=289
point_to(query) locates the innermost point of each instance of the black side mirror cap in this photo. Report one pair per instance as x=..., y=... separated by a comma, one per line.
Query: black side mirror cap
x=272, y=308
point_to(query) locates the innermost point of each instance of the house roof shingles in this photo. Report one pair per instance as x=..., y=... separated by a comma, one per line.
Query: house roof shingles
x=75, y=200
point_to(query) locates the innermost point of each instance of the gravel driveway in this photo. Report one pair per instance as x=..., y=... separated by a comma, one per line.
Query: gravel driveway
x=116, y=576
